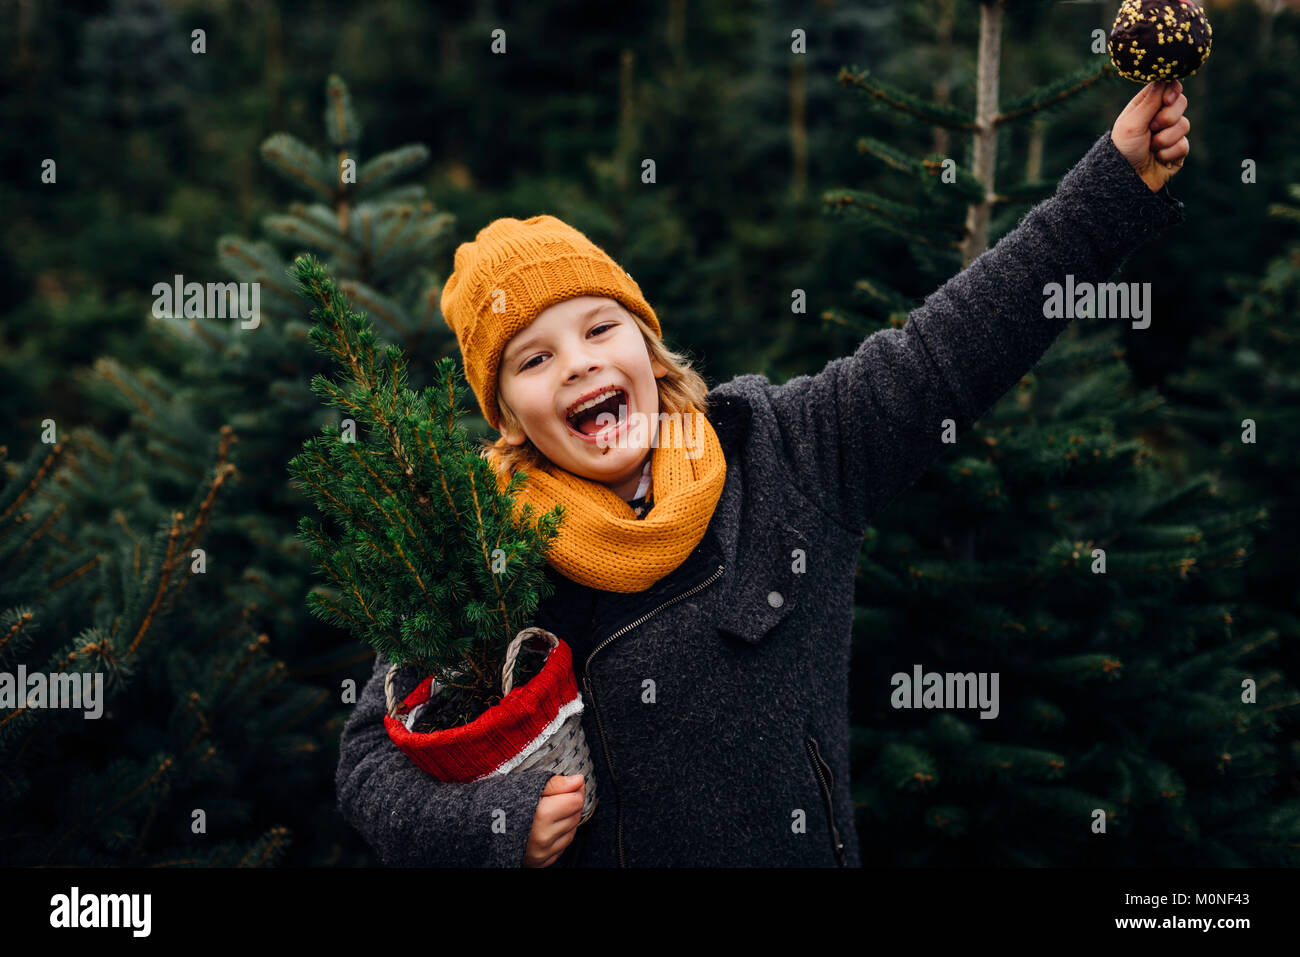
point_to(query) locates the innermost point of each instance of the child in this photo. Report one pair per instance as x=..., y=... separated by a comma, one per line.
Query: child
x=710, y=627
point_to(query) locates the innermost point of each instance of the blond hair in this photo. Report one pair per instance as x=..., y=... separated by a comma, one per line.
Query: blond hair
x=680, y=389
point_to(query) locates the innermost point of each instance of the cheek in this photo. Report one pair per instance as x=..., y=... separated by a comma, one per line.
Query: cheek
x=539, y=416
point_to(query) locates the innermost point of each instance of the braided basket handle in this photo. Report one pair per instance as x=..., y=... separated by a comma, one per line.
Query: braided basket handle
x=507, y=670
x=390, y=696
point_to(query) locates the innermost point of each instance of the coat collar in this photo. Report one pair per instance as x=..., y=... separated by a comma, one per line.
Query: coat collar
x=731, y=416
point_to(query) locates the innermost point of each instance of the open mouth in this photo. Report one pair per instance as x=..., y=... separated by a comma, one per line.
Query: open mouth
x=585, y=418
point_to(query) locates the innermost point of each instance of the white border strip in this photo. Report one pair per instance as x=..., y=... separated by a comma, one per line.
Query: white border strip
x=567, y=710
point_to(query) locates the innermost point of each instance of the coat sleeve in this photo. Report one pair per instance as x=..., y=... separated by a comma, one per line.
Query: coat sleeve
x=414, y=820
x=865, y=427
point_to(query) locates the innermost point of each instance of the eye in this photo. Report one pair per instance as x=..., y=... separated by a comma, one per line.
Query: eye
x=596, y=331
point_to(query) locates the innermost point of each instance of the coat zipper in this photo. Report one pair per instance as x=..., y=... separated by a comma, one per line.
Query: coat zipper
x=823, y=771
x=586, y=683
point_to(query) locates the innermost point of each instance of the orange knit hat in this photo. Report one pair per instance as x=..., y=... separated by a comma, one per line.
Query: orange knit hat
x=510, y=273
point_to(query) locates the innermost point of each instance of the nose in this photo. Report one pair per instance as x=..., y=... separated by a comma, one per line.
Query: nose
x=580, y=362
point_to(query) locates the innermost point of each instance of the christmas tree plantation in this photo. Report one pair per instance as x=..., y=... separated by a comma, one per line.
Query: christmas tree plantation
x=431, y=566
x=214, y=383
x=149, y=725
x=1145, y=716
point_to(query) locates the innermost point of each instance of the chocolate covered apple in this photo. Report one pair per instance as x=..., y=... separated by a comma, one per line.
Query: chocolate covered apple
x=1163, y=40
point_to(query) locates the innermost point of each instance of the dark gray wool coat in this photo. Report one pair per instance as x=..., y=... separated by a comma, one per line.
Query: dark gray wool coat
x=717, y=700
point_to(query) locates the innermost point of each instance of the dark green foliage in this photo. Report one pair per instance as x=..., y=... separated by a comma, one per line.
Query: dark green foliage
x=158, y=154
x=238, y=697
x=1057, y=548
x=164, y=765
x=430, y=566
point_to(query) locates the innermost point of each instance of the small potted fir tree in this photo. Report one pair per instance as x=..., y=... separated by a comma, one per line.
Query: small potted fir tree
x=430, y=565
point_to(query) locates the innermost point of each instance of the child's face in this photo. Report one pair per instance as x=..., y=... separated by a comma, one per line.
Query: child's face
x=567, y=352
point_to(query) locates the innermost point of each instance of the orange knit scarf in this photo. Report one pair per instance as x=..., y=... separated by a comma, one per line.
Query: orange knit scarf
x=601, y=542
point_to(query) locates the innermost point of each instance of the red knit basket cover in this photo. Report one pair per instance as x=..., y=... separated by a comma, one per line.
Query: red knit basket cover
x=477, y=749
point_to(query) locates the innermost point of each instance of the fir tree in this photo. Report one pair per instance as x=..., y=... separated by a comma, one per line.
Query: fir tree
x=1237, y=404
x=958, y=205
x=1053, y=547
x=258, y=692
x=432, y=568
x=186, y=711
x=1235, y=410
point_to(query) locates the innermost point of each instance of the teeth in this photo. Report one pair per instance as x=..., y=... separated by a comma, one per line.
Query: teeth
x=595, y=400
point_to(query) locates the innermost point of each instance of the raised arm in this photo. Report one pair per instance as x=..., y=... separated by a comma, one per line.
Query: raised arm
x=414, y=820
x=864, y=428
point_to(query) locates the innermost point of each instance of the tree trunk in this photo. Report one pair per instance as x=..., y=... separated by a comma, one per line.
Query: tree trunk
x=986, y=108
